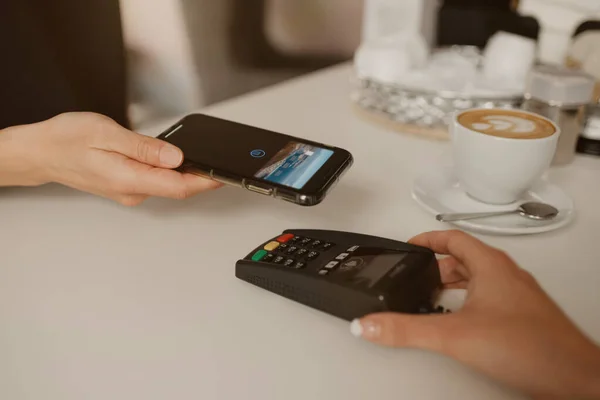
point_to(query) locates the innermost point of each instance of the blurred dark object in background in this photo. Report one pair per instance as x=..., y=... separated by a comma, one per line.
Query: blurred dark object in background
x=472, y=23
x=584, y=51
x=60, y=56
x=506, y=5
x=591, y=25
x=589, y=60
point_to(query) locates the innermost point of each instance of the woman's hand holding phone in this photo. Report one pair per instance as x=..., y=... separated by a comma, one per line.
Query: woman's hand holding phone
x=92, y=153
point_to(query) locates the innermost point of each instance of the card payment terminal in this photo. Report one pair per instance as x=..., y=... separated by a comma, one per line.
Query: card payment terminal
x=347, y=275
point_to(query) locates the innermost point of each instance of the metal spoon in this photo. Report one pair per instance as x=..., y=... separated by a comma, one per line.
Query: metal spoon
x=531, y=210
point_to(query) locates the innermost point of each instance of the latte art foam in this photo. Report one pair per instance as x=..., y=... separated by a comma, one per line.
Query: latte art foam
x=507, y=124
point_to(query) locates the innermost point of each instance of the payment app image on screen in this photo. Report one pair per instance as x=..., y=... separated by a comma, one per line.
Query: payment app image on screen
x=294, y=165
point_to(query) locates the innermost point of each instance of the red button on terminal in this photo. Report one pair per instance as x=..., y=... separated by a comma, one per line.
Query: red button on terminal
x=285, y=238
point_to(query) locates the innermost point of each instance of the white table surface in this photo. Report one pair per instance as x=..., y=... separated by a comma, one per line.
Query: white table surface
x=100, y=301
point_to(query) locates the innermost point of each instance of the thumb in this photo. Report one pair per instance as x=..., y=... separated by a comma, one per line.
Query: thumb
x=402, y=330
x=145, y=149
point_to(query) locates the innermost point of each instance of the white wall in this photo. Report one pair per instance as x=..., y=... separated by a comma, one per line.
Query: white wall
x=331, y=27
x=163, y=72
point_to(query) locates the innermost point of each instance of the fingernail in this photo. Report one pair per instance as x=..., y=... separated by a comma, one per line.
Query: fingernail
x=356, y=328
x=366, y=329
x=170, y=156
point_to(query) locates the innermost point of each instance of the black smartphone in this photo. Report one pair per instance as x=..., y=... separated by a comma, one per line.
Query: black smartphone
x=269, y=163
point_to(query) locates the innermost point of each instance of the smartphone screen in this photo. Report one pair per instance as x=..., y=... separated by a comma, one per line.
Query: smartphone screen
x=250, y=152
x=294, y=165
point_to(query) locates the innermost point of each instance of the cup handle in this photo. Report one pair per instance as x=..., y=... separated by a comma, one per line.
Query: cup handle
x=453, y=121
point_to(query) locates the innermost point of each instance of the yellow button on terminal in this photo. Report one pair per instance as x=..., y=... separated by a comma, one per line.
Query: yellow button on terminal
x=271, y=246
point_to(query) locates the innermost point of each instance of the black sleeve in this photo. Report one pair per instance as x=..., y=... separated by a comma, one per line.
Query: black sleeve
x=58, y=56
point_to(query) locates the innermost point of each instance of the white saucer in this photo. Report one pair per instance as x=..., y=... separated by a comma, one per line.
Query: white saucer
x=438, y=191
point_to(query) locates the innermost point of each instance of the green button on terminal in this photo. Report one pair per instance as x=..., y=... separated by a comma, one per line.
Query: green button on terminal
x=259, y=255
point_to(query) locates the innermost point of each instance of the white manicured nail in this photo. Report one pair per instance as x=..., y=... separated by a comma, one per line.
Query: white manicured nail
x=356, y=328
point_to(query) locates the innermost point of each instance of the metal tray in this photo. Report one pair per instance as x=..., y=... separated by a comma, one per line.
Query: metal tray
x=422, y=108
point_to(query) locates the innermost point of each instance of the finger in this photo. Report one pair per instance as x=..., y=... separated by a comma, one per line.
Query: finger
x=403, y=330
x=457, y=285
x=160, y=182
x=147, y=150
x=452, y=271
x=131, y=200
x=469, y=251
x=197, y=184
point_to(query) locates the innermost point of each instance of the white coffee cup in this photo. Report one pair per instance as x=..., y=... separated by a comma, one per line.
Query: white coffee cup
x=389, y=59
x=499, y=154
x=509, y=57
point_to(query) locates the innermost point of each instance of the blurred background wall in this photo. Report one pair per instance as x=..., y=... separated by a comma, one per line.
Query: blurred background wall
x=186, y=54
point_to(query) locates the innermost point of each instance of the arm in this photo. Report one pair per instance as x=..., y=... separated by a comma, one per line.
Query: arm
x=16, y=166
